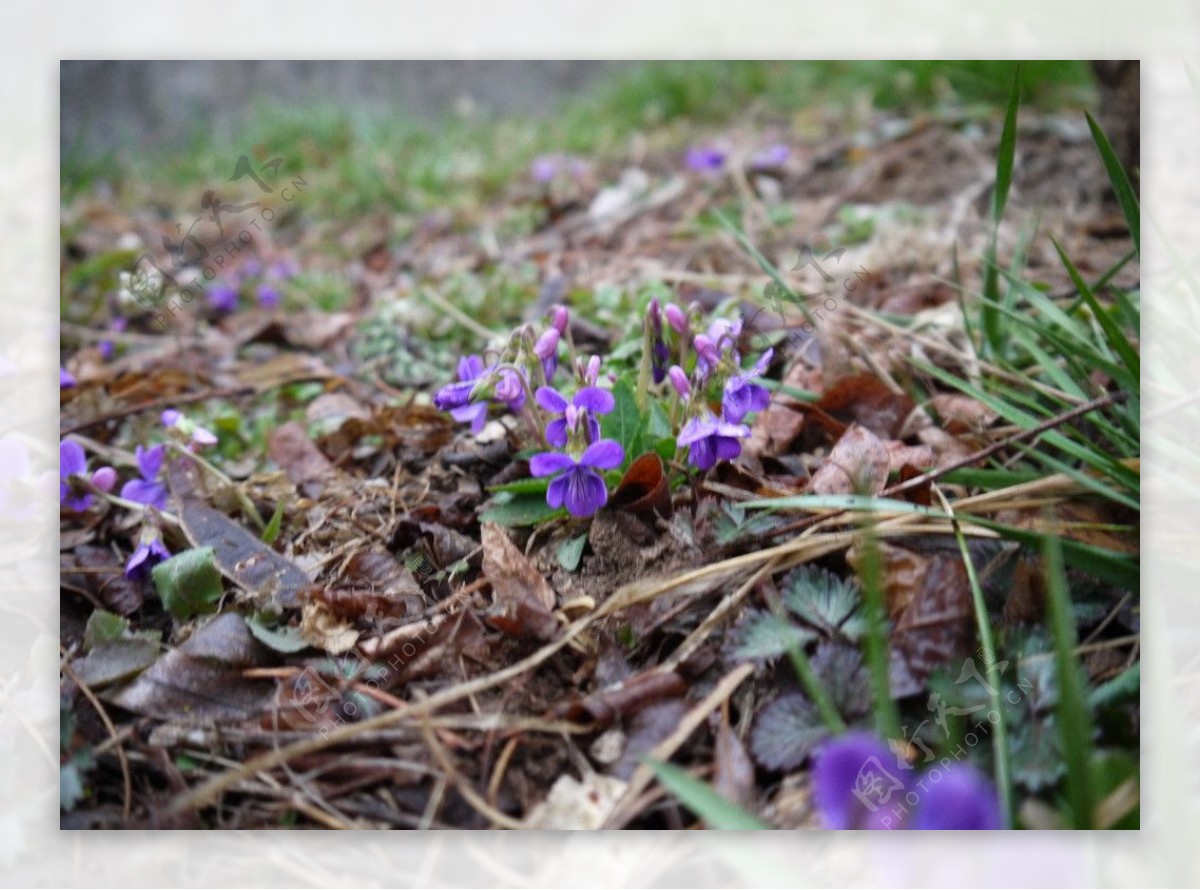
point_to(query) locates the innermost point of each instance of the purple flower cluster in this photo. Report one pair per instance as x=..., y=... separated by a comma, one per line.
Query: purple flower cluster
x=856, y=785
x=265, y=283
x=465, y=399
x=708, y=437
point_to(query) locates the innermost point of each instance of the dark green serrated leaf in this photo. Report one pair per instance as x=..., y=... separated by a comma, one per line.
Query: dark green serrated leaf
x=821, y=598
x=762, y=636
x=787, y=731
x=188, y=583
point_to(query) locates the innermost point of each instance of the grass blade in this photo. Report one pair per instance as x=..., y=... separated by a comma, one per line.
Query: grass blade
x=701, y=799
x=1126, y=196
x=1116, y=339
x=989, y=320
x=1074, y=718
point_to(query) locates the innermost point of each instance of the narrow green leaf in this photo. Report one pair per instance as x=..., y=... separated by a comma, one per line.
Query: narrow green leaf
x=522, y=486
x=1126, y=196
x=1112, y=332
x=271, y=532
x=1007, y=150
x=703, y=800
x=1073, y=716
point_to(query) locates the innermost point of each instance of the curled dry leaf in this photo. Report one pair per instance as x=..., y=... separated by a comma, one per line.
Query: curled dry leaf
x=643, y=489
x=857, y=464
x=323, y=629
x=733, y=770
x=625, y=698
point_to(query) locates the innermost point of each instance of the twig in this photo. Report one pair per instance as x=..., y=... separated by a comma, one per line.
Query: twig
x=156, y=404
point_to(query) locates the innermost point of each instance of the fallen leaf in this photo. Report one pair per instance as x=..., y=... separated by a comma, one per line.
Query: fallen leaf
x=733, y=770
x=202, y=679
x=243, y=558
x=868, y=401
x=512, y=577
x=625, y=698
x=290, y=447
x=643, y=490
x=323, y=629
x=929, y=602
x=857, y=464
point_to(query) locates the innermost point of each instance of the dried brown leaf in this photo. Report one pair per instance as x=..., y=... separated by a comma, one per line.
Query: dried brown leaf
x=857, y=464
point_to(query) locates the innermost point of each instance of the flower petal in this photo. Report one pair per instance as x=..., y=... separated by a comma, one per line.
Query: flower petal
x=586, y=492
x=696, y=429
x=595, y=399
x=701, y=454
x=150, y=461
x=606, y=454
x=71, y=459
x=556, y=433
x=962, y=800
x=550, y=400
x=854, y=779
x=144, y=491
x=557, y=492
x=725, y=447
x=549, y=462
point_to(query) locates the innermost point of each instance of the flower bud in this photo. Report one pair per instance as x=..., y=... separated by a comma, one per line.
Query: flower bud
x=104, y=478
x=593, y=370
x=559, y=318
x=679, y=381
x=706, y=349
x=547, y=344
x=675, y=318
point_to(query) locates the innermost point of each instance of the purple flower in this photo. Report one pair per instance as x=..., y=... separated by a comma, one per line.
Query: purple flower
x=282, y=270
x=198, y=435
x=249, y=269
x=72, y=462
x=148, y=490
x=546, y=168
x=721, y=336
x=149, y=553
x=676, y=318
x=771, y=158
x=578, y=486
x=65, y=378
x=704, y=159
x=857, y=783
x=679, y=381
x=709, y=440
x=588, y=402
x=854, y=780
x=456, y=397
x=268, y=296
x=223, y=298
x=741, y=396
x=962, y=800
x=104, y=478
x=106, y=346
x=546, y=349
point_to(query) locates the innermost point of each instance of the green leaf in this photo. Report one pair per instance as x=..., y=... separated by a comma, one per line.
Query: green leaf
x=821, y=598
x=763, y=636
x=1116, y=338
x=787, y=731
x=271, y=532
x=523, y=486
x=286, y=639
x=1126, y=196
x=1007, y=150
x=103, y=627
x=519, y=510
x=624, y=422
x=188, y=583
x=570, y=552
x=703, y=800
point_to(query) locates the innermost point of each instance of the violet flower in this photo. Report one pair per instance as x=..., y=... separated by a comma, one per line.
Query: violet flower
x=282, y=270
x=250, y=269
x=148, y=490
x=456, y=397
x=741, y=396
x=268, y=296
x=709, y=440
x=149, y=553
x=771, y=158
x=198, y=435
x=585, y=404
x=857, y=783
x=223, y=298
x=65, y=378
x=578, y=486
x=107, y=348
x=72, y=463
x=704, y=159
